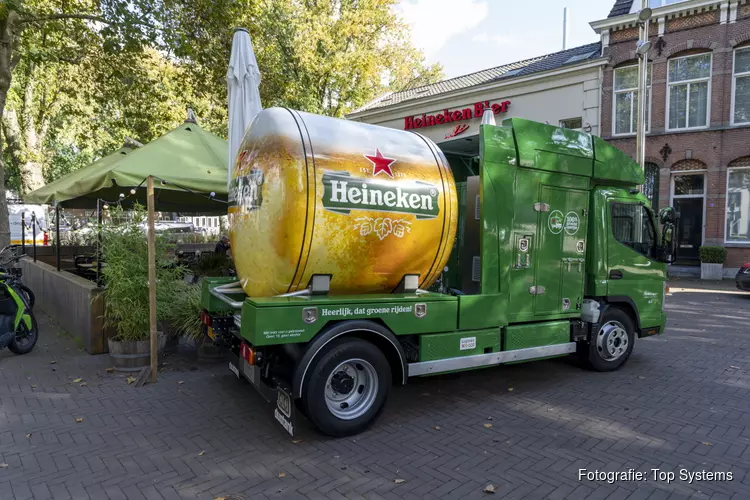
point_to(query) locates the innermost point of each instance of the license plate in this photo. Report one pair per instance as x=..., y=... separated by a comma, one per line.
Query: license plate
x=284, y=403
x=283, y=413
x=234, y=369
x=211, y=333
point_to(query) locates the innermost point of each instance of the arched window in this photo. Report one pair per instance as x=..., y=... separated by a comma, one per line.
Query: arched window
x=651, y=187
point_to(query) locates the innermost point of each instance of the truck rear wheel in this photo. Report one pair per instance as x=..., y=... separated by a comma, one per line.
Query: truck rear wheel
x=347, y=387
x=610, y=346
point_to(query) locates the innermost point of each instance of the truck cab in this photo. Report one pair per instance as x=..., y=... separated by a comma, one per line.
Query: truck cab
x=557, y=253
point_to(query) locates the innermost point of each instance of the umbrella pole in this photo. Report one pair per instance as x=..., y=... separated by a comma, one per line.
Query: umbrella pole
x=57, y=237
x=152, y=275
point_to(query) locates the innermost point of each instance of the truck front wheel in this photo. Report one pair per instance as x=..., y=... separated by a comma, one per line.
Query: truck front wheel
x=610, y=346
x=347, y=387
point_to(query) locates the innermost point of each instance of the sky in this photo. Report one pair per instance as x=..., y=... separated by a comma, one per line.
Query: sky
x=470, y=35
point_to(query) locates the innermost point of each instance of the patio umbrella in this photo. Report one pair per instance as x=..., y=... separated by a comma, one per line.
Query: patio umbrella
x=188, y=164
x=243, y=79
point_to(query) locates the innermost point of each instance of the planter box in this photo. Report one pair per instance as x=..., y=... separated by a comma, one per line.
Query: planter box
x=134, y=355
x=711, y=271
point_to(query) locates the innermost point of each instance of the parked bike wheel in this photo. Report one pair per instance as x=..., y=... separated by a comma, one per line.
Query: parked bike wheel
x=25, y=338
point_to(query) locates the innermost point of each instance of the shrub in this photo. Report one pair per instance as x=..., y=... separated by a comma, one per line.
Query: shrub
x=125, y=254
x=212, y=264
x=185, y=312
x=713, y=255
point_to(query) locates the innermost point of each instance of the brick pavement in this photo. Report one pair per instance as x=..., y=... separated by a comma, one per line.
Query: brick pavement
x=682, y=401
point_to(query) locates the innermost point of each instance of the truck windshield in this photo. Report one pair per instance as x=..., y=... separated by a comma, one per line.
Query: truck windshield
x=633, y=227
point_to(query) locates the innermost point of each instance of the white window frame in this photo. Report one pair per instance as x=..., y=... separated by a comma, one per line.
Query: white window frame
x=703, y=196
x=726, y=209
x=735, y=76
x=633, y=108
x=687, y=102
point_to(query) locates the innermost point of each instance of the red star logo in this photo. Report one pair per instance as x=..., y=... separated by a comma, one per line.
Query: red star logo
x=380, y=164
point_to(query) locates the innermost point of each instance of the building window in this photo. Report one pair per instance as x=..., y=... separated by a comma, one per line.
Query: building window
x=625, y=103
x=653, y=4
x=689, y=88
x=574, y=123
x=738, y=205
x=741, y=87
x=632, y=226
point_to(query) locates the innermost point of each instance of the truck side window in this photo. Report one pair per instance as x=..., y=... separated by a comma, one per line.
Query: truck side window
x=632, y=226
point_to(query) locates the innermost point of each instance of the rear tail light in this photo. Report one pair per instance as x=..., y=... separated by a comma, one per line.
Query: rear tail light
x=205, y=318
x=248, y=354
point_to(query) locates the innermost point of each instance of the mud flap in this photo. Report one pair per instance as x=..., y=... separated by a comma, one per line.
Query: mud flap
x=284, y=413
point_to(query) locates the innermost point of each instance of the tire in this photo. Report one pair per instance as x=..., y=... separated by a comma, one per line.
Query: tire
x=25, y=340
x=30, y=298
x=347, y=387
x=610, y=346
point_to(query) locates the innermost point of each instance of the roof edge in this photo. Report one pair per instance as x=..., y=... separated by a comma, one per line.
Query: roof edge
x=630, y=19
x=589, y=63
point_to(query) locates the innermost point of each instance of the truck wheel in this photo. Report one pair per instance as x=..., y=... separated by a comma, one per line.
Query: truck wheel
x=610, y=347
x=347, y=387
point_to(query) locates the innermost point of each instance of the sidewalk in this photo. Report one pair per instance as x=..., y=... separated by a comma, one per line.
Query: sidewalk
x=688, y=284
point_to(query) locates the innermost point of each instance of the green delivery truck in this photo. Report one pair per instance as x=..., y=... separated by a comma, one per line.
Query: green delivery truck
x=551, y=250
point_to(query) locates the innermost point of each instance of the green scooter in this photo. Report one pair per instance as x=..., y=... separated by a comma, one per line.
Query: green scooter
x=19, y=331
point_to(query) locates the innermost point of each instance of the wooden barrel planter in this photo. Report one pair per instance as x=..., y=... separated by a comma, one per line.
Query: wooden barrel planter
x=132, y=356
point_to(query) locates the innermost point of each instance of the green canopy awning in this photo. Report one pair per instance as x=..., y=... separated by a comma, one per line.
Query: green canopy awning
x=187, y=163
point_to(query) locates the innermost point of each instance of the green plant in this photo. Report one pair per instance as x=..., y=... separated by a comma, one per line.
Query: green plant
x=211, y=264
x=125, y=253
x=713, y=255
x=185, y=311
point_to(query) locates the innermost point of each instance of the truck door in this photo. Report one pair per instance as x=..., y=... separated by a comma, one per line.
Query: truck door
x=561, y=246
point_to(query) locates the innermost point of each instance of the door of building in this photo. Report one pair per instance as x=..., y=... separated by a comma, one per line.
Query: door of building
x=689, y=199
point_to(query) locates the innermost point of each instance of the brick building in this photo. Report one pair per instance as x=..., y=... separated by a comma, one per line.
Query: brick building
x=698, y=139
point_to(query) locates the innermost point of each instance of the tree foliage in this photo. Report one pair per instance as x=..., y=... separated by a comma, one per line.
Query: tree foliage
x=79, y=76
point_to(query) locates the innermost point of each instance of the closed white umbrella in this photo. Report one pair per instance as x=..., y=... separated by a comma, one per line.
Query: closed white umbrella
x=243, y=78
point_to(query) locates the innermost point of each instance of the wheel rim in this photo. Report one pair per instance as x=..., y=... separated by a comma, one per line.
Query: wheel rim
x=25, y=336
x=612, y=341
x=351, y=389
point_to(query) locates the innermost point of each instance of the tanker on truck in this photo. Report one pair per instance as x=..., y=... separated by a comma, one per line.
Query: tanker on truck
x=364, y=260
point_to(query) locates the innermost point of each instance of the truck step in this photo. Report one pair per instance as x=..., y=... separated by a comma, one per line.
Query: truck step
x=495, y=358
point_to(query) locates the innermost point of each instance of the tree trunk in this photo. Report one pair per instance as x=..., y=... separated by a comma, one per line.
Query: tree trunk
x=6, y=53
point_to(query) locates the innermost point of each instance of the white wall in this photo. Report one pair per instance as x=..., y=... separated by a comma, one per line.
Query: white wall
x=548, y=99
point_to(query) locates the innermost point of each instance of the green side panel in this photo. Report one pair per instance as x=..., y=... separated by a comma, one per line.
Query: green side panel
x=213, y=304
x=281, y=320
x=536, y=334
x=481, y=311
x=556, y=149
x=560, y=254
x=457, y=344
x=497, y=199
x=613, y=165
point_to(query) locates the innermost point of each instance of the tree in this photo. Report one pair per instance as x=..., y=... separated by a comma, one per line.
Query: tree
x=58, y=31
x=77, y=76
x=321, y=56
